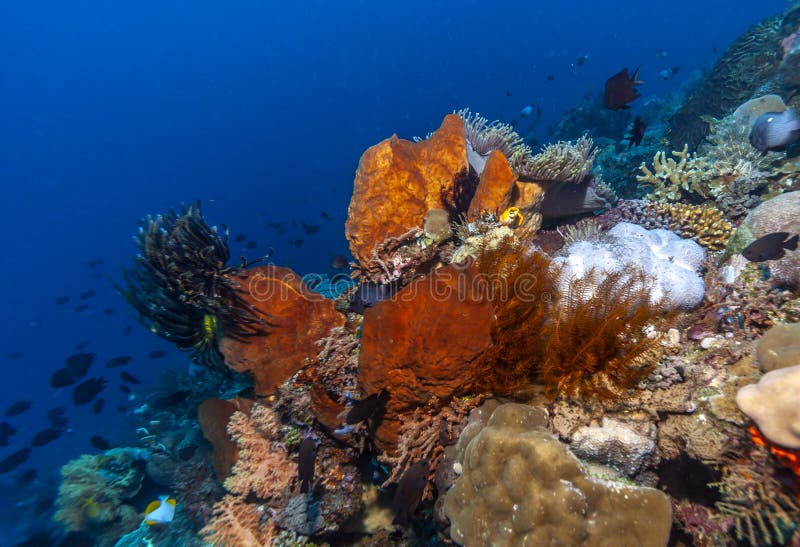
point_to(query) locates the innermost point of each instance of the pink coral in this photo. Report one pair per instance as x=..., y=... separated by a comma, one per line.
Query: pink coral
x=263, y=467
x=236, y=522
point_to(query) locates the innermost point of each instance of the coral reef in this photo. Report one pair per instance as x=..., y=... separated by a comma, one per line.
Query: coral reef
x=520, y=485
x=673, y=179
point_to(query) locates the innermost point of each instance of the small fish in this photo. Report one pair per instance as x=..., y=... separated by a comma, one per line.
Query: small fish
x=661, y=53
x=773, y=131
x=81, y=308
x=88, y=390
x=325, y=215
x=61, y=300
x=119, y=361
x=125, y=389
x=637, y=132
x=82, y=345
x=278, y=227
x=18, y=407
x=127, y=330
x=130, y=378
x=26, y=478
x=526, y=111
x=6, y=431
x=310, y=229
x=98, y=406
x=238, y=238
x=367, y=407
x=305, y=463
x=57, y=416
x=86, y=295
x=550, y=77
x=369, y=294
x=339, y=262
x=297, y=243
x=109, y=311
x=409, y=492
x=172, y=399
x=668, y=73
x=46, y=436
x=11, y=462
x=16, y=355
x=160, y=512
x=580, y=60
x=770, y=247
x=79, y=363
x=156, y=354
x=251, y=245
x=61, y=378
x=95, y=262
x=99, y=442
x=620, y=89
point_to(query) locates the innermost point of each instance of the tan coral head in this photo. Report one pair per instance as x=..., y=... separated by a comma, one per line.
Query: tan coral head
x=772, y=404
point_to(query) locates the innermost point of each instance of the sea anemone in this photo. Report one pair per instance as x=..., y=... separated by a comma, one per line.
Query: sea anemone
x=182, y=288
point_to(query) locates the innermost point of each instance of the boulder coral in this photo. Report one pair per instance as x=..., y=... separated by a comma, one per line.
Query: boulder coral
x=772, y=404
x=519, y=485
x=299, y=318
x=423, y=344
x=779, y=347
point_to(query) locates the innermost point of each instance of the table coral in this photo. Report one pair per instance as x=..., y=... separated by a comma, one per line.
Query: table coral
x=521, y=486
x=424, y=343
x=299, y=318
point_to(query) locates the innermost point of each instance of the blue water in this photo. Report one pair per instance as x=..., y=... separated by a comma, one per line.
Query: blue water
x=113, y=110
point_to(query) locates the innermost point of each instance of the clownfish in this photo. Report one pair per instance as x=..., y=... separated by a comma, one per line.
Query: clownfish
x=160, y=511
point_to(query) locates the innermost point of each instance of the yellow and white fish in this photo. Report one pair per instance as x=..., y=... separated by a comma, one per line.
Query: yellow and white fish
x=160, y=511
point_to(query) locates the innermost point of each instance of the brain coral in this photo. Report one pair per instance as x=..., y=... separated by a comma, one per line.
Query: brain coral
x=520, y=486
x=669, y=261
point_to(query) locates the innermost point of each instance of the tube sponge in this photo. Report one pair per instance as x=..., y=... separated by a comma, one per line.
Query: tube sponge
x=669, y=262
x=772, y=404
x=519, y=485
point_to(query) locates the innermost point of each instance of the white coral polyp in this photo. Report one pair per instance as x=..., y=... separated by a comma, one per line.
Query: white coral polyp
x=670, y=263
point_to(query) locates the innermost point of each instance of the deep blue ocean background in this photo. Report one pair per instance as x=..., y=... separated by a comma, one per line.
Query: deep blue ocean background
x=113, y=110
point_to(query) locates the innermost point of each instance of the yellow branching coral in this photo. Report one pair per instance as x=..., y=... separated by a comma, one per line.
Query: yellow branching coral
x=671, y=178
x=563, y=161
x=704, y=224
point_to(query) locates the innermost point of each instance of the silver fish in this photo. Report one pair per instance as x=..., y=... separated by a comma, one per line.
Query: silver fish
x=775, y=130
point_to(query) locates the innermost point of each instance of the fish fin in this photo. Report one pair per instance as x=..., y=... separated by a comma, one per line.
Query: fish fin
x=152, y=506
x=172, y=502
x=791, y=243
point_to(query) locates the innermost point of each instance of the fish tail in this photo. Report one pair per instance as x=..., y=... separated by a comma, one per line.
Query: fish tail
x=304, y=486
x=791, y=243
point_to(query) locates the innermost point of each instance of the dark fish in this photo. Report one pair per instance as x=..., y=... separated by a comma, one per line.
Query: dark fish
x=11, y=462
x=775, y=130
x=98, y=406
x=339, y=262
x=99, y=442
x=186, y=453
x=16, y=355
x=297, y=243
x=238, y=238
x=621, y=89
x=770, y=247
x=97, y=276
x=86, y=391
x=369, y=294
x=95, y=262
x=125, y=389
x=367, y=407
x=46, y=436
x=409, y=492
x=130, y=378
x=6, y=430
x=251, y=245
x=81, y=308
x=108, y=311
x=61, y=378
x=325, y=215
x=156, y=354
x=86, y=295
x=127, y=330
x=78, y=364
x=310, y=229
x=61, y=300
x=17, y=408
x=172, y=399
x=119, y=361
x=57, y=416
x=637, y=132
x=581, y=60
x=668, y=73
x=279, y=227
x=550, y=78
x=305, y=463
x=26, y=478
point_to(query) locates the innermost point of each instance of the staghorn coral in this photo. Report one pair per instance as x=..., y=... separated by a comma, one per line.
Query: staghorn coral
x=672, y=179
x=183, y=290
x=236, y=522
x=520, y=486
x=262, y=467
